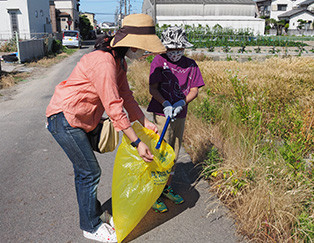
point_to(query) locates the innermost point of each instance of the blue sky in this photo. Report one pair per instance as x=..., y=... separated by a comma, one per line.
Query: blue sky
x=108, y=8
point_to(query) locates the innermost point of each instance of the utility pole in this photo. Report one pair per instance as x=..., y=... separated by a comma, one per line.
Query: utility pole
x=120, y=13
x=125, y=8
x=155, y=12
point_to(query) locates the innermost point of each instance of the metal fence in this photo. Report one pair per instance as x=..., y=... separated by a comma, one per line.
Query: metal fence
x=28, y=49
x=5, y=36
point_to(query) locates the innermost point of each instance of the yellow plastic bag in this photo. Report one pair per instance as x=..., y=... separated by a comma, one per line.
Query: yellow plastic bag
x=136, y=184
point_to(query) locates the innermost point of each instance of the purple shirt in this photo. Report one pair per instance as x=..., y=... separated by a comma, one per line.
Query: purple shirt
x=175, y=81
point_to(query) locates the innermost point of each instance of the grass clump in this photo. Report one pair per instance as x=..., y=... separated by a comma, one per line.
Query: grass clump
x=10, y=79
x=252, y=127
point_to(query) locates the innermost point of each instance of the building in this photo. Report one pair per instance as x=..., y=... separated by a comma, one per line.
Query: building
x=263, y=8
x=91, y=18
x=67, y=12
x=279, y=7
x=29, y=18
x=288, y=10
x=236, y=14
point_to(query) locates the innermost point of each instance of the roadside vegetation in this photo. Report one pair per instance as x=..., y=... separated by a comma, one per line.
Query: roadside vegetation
x=206, y=37
x=58, y=53
x=252, y=130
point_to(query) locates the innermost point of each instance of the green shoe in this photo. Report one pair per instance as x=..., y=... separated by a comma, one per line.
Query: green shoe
x=159, y=206
x=169, y=193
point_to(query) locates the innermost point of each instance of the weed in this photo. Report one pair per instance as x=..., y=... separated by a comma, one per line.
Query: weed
x=257, y=50
x=273, y=50
x=212, y=163
x=211, y=49
x=9, y=46
x=252, y=127
x=226, y=49
x=242, y=49
x=229, y=58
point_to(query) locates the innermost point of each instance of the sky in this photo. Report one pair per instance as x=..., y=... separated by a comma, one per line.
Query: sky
x=105, y=9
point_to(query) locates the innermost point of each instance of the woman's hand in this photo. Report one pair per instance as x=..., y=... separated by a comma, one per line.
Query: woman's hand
x=144, y=152
x=149, y=125
x=142, y=148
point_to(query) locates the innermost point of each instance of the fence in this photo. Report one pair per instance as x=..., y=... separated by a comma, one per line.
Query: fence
x=35, y=48
x=4, y=36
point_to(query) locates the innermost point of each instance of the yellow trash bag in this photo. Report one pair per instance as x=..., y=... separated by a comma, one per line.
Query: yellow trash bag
x=137, y=184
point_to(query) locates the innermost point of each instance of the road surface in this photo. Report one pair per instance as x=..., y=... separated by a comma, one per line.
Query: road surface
x=37, y=195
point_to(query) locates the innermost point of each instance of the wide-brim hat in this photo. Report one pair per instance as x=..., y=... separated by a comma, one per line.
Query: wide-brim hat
x=138, y=31
x=174, y=37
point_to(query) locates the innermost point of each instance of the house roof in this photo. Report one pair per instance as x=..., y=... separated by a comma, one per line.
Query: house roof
x=260, y=1
x=203, y=2
x=292, y=12
x=306, y=3
x=87, y=13
x=63, y=14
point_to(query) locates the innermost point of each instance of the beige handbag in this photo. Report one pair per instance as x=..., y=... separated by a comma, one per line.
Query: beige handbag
x=104, y=138
x=109, y=137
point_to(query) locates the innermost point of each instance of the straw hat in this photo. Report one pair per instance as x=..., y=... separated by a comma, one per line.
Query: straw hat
x=138, y=30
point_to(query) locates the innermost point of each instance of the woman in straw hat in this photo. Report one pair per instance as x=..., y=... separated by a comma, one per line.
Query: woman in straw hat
x=99, y=84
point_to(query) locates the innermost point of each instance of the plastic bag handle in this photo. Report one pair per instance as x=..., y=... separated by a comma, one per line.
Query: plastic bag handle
x=163, y=132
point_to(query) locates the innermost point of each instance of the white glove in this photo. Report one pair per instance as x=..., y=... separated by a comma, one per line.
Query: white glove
x=168, y=109
x=178, y=107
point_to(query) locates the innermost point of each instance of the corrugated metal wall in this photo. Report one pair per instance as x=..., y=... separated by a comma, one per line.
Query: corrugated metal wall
x=205, y=10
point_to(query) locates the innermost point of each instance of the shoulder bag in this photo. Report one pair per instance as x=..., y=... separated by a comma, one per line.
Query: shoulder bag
x=104, y=138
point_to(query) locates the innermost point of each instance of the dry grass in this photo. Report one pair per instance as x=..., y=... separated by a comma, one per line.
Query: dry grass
x=268, y=205
x=138, y=74
x=284, y=78
x=48, y=61
x=10, y=79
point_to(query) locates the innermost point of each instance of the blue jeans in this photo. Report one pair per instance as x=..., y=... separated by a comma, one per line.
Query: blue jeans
x=87, y=172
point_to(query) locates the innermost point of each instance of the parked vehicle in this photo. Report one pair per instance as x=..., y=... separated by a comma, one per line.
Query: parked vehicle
x=72, y=38
x=92, y=35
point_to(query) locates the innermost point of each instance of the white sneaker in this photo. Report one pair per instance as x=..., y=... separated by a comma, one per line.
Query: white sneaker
x=105, y=233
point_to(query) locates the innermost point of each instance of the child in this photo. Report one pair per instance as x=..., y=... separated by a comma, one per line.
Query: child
x=174, y=82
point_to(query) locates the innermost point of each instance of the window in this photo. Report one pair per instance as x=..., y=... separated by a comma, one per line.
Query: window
x=63, y=20
x=282, y=7
x=14, y=22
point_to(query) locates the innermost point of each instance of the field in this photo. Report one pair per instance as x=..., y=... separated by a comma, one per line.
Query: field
x=252, y=129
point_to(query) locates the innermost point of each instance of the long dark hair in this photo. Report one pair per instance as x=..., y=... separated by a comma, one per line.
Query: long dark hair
x=103, y=43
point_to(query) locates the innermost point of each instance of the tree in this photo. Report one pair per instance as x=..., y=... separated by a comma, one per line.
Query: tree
x=301, y=24
x=85, y=27
x=278, y=25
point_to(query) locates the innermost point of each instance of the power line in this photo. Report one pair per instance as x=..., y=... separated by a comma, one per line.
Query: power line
x=104, y=13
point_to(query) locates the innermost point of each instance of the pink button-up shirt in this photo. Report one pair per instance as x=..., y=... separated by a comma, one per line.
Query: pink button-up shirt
x=97, y=84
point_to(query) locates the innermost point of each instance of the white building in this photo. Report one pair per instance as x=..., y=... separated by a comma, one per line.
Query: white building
x=27, y=17
x=294, y=15
x=236, y=14
x=70, y=7
x=279, y=7
x=289, y=10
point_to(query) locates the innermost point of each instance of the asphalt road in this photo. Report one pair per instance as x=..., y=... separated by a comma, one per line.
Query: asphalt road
x=37, y=195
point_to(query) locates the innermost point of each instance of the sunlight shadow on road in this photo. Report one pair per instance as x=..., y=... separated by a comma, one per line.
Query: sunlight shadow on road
x=185, y=176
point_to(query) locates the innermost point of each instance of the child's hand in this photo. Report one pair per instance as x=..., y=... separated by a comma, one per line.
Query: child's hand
x=178, y=107
x=168, y=109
